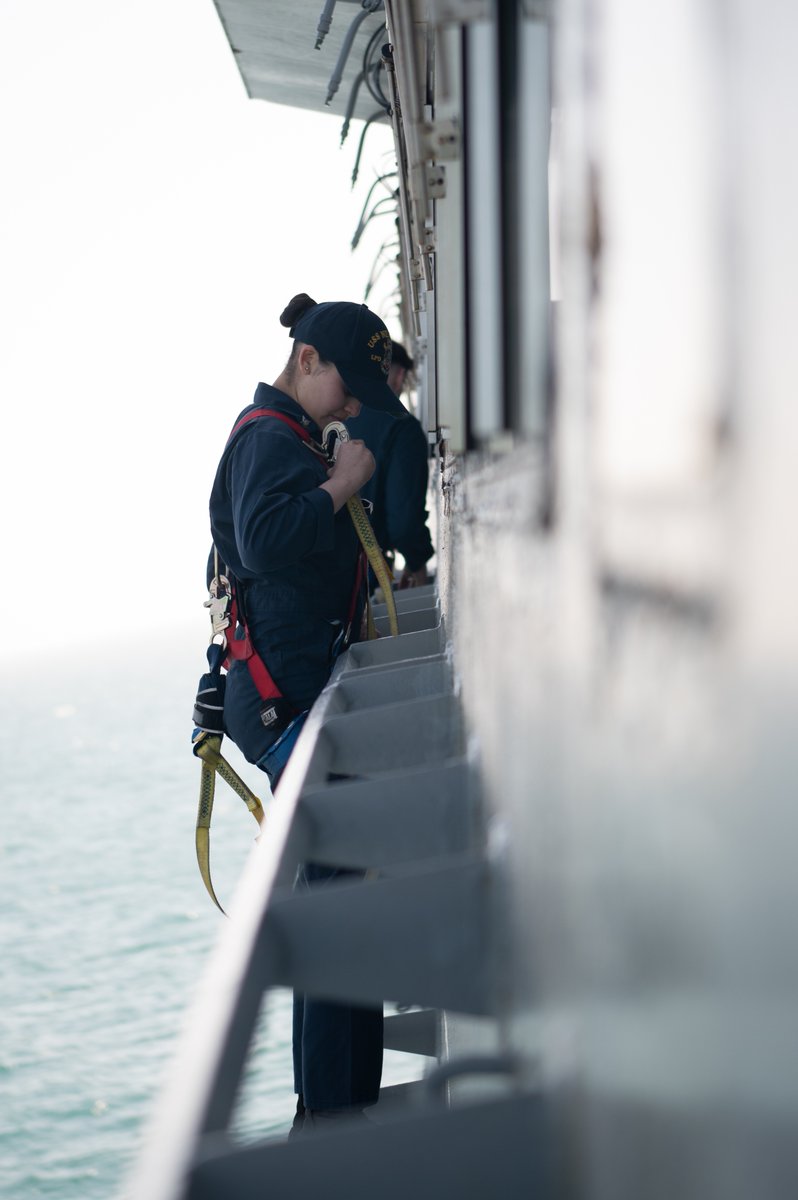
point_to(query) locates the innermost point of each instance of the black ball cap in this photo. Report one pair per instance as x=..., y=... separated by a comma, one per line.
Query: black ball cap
x=355, y=339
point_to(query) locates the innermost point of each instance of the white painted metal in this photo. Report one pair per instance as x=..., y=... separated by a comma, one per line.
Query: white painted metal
x=533, y=236
x=450, y=307
x=483, y=229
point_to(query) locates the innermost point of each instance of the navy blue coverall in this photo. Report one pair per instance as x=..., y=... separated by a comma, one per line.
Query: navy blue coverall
x=398, y=487
x=295, y=559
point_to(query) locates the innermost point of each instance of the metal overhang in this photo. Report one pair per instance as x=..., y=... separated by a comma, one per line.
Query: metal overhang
x=273, y=42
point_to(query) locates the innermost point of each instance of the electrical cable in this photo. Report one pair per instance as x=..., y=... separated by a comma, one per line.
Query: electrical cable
x=325, y=21
x=372, y=283
x=379, y=179
x=377, y=116
x=374, y=213
x=379, y=261
x=350, y=107
x=369, y=7
x=373, y=69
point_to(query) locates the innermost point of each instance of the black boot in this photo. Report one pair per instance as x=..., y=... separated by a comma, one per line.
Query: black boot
x=322, y=1120
x=298, y=1123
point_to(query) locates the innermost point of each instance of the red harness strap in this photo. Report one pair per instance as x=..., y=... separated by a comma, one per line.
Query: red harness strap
x=286, y=420
x=241, y=649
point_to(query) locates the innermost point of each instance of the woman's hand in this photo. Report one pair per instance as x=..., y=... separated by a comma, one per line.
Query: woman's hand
x=353, y=467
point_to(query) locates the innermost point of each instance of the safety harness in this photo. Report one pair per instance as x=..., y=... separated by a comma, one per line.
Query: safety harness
x=227, y=605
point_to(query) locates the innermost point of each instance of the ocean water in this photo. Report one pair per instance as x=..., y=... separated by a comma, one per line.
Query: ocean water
x=105, y=927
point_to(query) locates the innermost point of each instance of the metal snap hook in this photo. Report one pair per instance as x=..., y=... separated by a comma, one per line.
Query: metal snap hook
x=332, y=436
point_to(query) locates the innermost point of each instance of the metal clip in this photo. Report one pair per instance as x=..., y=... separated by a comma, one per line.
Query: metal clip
x=441, y=139
x=436, y=188
x=219, y=603
x=332, y=436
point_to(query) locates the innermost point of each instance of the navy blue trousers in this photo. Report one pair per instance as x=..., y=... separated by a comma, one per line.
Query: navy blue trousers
x=337, y=1047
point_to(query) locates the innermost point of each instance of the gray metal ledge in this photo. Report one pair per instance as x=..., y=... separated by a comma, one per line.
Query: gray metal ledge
x=418, y=644
x=413, y=815
x=434, y=1154
x=414, y=1032
x=410, y=620
x=378, y=781
x=410, y=598
x=411, y=680
x=373, y=741
x=422, y=938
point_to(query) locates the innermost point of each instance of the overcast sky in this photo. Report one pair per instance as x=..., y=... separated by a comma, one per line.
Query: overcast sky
x=155, y=221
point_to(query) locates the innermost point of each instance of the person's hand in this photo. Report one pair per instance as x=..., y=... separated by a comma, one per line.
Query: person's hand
x=353, y=467
x=410, y=579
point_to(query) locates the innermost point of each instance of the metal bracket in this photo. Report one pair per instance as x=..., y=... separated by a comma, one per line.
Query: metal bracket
x=441, y=139
x=436, y=182
x=459, y=12
x=540, y=9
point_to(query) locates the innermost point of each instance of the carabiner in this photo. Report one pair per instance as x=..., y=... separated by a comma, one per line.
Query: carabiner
x=332, y=436
x=218, y=602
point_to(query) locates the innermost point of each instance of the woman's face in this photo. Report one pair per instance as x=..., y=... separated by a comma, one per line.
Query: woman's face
x=323, y=394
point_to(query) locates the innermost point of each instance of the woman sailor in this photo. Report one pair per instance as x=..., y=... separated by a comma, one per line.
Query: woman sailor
x=282, y=531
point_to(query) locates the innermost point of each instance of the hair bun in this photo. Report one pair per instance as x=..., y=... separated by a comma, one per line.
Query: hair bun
x=296, y=308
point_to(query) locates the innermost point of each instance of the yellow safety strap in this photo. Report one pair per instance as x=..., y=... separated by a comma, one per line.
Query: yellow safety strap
x=378, y=564
x=368, y=541
x=207, y=747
